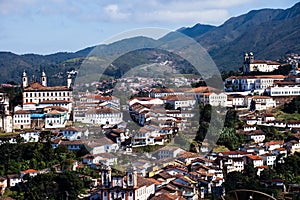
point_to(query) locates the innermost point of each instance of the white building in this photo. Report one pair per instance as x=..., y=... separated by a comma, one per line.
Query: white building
x=104, y=158
x=56, y=119
x=21, y=120
x=249, y=83
x=255, y=161
x=262, y=102
x=217, y=99
x=103, y=115
x=236, y=100
x=37, y=92
x=169, y=152
x=269, y=159
x=180, y=101
x=30, y=136
x=257, y=136
x=292, y=90
x=100, y=145
x=251, y=65
x=71, y=133
x=161, y=92
x=13, y=179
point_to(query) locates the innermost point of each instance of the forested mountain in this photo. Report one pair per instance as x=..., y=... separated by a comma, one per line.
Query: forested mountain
x=269, y=33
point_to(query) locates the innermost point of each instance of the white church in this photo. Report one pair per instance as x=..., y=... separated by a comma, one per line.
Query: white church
x=43, y=106
x=251, y=65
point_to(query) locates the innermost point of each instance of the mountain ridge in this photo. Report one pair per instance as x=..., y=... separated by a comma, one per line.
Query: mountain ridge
x=269, y=33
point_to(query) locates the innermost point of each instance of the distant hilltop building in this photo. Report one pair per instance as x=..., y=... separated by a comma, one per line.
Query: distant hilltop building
x=251, y=65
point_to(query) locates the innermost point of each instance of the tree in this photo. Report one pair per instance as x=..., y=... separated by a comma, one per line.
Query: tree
x=252, y=105
x=169, y=106
x=229, y=138
x=231, y=118
x=233, y=181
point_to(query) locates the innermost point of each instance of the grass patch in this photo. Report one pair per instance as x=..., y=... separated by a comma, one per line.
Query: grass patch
x=8, y=134
x=219, y=149
x=286, y=116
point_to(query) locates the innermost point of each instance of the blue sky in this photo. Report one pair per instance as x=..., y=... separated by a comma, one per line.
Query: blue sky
x=49, y=26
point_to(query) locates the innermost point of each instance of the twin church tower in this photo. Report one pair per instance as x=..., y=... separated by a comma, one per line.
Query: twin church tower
x=43, y=80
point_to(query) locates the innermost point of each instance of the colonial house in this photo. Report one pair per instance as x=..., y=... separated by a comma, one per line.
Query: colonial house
x=30, y=136
x=56, y=119
x=161, y=92
x=148, y=135
x=100, y=145
x=262, y=102
x=269, y=159
x=288, y=90
x=30, y=172
x=103, y=116
x=217, y=99
x=180, y=101
x=104, y=158
x=274, y=144
x=169, y=152
x=249, y=83
x=71, y=145
x=255, y=161
x=236, y=101
x=13, y=179
x=231, y=164
x=21, y=120
x=257, y=136
x=71, y=133
x=56, y=103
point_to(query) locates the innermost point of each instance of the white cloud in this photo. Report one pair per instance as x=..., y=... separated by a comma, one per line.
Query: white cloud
x=114, y=13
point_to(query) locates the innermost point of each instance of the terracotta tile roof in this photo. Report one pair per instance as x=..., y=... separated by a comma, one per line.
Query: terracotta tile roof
x=162, y=90
x=281, y=149
x=254, y=132
x=261, y=97
x=257, y=77
x=102, y=110
x=73, y=142
x=141, y=181
x=22, y=112
x=156, y=182
x=54, y=101
x=169, y=148
x=11, y=176
x=38, y=87
x=28, y=171
x=254, y=157
x=58, y=108
x=262, y=167
x=98, y=142
x=274, y=142
x=177, y=98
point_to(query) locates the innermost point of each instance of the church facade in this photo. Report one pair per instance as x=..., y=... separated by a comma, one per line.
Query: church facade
x=251, y=65
x=37, y=93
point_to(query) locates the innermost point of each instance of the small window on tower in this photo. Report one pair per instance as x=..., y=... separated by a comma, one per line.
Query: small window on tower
x=130, y=178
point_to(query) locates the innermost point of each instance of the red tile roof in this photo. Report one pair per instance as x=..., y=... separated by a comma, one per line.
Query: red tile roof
x=38, y=87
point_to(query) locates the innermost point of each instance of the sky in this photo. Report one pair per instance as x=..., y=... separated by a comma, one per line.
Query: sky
x=50, y=26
